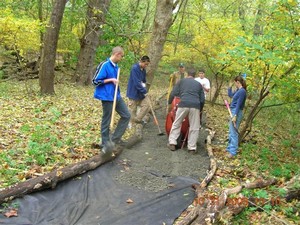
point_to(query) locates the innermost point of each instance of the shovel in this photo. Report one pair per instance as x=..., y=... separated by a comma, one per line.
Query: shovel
x=160, y=133
x=234, y=124
x=109, y=146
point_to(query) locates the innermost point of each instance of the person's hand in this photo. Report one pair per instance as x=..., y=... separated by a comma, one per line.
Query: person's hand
x=233, y=119
x=143, y=84
x=114, y=80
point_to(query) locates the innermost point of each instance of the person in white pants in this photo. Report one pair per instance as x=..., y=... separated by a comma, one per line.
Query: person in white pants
x=191, y=103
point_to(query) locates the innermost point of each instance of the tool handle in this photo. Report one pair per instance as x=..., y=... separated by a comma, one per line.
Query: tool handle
x=115, y=101
x=227, y=106
x=154, y=117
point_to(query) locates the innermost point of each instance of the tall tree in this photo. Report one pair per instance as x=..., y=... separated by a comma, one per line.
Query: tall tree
x=46, y=73
x=163, y=20
x=96, y=12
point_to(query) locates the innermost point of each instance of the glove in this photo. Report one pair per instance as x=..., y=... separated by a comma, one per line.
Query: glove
x=233, y=119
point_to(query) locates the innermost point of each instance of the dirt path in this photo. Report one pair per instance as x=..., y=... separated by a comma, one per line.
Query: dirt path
x=149, y=165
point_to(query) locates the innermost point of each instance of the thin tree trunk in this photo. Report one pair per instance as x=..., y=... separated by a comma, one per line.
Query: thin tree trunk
x=162, y=23
x=46, y=74
x=96, y=12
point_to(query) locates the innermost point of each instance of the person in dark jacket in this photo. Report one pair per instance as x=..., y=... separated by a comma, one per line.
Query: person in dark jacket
x=136, y=90
x=191, y=103
x=105, y=81
x=236, y=107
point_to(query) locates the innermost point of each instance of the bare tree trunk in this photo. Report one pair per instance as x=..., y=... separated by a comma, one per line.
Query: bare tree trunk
x=219, y=85
x=96, y=12
x=46, y=74
x=162, y=23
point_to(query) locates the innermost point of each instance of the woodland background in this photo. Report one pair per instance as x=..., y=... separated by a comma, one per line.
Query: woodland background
x=48, y=54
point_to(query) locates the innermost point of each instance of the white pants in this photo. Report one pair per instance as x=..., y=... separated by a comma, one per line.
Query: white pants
x=194, y=122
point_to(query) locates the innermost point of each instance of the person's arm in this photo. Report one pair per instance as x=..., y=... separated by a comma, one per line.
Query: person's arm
x=206, y=87
x=240, y=101
x=230, y=93
x=202, y=99
x=102, y=77
x=137, y=80
x=174, y=92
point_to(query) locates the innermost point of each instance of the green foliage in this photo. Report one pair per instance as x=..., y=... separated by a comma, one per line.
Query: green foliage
x=19, y=34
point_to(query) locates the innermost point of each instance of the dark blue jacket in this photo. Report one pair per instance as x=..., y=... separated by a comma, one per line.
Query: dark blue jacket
x=238, y=100
x=135, y=89
x=106, y=92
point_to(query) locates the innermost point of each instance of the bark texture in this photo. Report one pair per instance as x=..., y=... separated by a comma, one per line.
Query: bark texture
x=46, y=73
x=162, y=23
x=96, y=12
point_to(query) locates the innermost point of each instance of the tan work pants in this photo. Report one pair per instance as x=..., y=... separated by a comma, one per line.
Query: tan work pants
x=194, y=121
x=144, y=108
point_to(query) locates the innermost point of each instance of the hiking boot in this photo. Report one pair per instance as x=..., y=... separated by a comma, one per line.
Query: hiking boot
x=171, y=147
x=96, y=145
x=121, y=143
x=193, y=151
x=229, y=155
x=135, y=120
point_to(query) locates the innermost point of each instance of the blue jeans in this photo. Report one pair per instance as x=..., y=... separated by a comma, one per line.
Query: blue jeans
x=122, y=110
x=233, y=139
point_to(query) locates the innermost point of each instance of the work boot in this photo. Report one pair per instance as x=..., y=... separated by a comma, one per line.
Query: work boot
x=171, y=147
x=135, y=120
x=121, y=143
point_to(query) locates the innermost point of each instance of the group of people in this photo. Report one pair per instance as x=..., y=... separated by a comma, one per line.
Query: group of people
x=105, y=81
x=191, y=90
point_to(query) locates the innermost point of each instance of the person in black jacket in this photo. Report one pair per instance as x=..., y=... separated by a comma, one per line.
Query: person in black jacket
x=191, y=103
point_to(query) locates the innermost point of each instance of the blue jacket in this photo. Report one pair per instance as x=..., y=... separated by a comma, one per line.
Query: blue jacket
x=238, y=100
x=106, y=92
x=135, y=89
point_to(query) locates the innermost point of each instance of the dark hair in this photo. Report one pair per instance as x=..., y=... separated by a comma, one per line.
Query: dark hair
x=145, y=58
x=201, y=70
x=192, y=72
x=242, y=81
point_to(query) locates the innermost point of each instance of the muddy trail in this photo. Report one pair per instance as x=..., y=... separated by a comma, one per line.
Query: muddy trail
x=150, y=164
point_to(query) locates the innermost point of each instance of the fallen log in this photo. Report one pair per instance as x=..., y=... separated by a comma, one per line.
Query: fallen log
x=51, y=179
x=198, y=212
x=209, y=209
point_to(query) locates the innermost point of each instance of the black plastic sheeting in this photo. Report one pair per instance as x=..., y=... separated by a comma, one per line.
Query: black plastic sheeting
x=96, y=198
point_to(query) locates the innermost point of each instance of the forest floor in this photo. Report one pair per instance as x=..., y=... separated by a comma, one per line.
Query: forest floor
x=39, y=134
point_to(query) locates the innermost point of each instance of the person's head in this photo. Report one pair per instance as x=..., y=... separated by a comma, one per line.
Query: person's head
x=117, y=54
x=181, y=67
x=240, y=82
x=144, y=61
x=201, y=73
x=191, y=72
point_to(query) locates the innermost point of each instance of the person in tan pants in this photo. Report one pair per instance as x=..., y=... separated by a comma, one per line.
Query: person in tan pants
x=191, y=103
x=137, y=92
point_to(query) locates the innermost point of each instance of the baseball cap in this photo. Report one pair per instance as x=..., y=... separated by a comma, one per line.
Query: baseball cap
x=181, y=65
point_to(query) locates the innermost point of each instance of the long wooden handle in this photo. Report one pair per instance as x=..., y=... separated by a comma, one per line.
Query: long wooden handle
x=227, y=106
x=154, y=117
x=114, y=102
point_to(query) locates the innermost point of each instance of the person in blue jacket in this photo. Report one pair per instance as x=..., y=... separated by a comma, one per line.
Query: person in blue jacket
x=236, y=107
x=105, y=81
x=136, y=90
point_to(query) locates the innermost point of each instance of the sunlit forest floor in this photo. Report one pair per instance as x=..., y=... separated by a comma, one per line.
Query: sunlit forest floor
x=41, y=133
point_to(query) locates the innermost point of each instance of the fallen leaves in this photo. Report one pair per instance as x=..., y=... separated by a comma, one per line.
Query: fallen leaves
x=129, y=201
x=11, y=213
